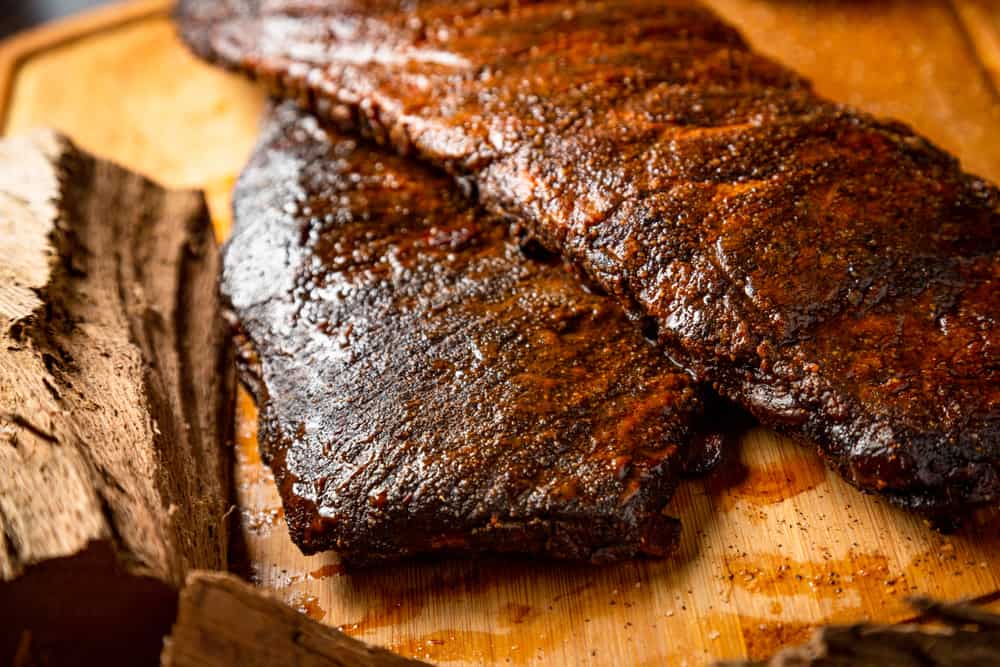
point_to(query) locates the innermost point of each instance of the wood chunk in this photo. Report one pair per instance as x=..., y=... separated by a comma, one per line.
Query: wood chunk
x=224, y=621
x=965, y=637
x=116, y=399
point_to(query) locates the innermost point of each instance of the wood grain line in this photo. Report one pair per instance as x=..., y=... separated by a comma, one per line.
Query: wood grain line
x=17, y=49
x=980, y=25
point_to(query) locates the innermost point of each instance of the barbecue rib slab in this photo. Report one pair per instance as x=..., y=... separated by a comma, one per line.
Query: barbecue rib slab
x=424, y=386
x=834, y=273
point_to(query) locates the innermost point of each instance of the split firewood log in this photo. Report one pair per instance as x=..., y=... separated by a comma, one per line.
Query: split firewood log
x=116, y=406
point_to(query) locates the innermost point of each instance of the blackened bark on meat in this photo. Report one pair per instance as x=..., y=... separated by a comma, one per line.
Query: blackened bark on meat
x=424, y=386
x=834, y=273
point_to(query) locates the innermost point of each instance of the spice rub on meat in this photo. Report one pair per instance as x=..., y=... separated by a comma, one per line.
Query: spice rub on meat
x=423, y=386
x=834, y=273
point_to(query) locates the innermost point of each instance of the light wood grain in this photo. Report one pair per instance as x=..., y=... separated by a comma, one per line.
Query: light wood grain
x=981, y=22
x=24, y=45
x=122, y=86
x=763, y=559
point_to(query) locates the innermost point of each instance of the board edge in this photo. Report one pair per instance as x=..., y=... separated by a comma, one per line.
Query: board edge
x=17, y=49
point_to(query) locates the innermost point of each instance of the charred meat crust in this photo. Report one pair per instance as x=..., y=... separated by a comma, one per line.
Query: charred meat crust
x=834, y=273
x=425, y=387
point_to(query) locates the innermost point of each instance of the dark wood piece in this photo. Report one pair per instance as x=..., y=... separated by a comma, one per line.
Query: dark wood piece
x=962, y=636
x=223, y=622
x=116, y=390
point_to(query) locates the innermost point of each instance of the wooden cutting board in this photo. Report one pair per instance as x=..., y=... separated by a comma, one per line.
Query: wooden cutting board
x=767, y=553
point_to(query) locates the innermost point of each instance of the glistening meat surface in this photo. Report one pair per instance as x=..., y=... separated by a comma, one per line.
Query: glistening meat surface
x=834, y=273
x=424, y=386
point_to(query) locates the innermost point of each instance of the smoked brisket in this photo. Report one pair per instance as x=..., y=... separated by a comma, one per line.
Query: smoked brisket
x=833, y=272
x=423, y=386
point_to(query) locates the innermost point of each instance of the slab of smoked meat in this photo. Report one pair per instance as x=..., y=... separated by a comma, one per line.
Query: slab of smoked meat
x=424, y=386
x=834, y=273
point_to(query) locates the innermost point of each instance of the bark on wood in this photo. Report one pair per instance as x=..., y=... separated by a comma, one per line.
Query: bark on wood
x=963, y=636
x=116, y=397
x=223, y=621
